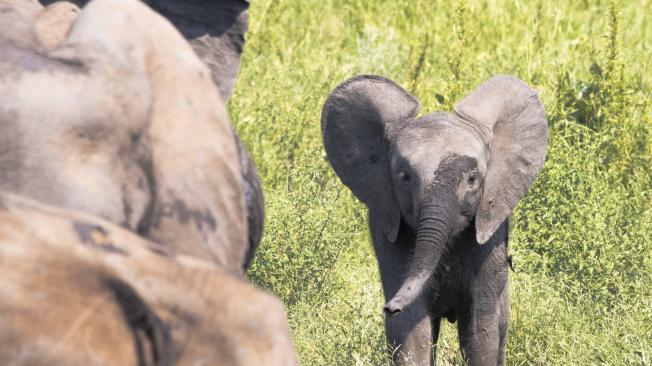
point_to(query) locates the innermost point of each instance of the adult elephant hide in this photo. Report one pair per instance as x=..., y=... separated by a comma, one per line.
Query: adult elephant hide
x=78, y=290
x=123, y=120
x=215, y=29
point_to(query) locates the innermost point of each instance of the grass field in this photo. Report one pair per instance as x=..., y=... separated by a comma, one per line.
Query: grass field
x=582, y=237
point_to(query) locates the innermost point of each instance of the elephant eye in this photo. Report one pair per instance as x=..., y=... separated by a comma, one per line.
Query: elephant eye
x=471, y=180
x=405, y=177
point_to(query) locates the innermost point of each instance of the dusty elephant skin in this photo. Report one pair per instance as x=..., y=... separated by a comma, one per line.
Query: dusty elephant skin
x=125, y=152
x=215, y=29
x=439, y=190
x=78, y=290
x=111, y=113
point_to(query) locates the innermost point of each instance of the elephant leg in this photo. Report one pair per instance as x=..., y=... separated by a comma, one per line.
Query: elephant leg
x=409, y=334
x=482, y=328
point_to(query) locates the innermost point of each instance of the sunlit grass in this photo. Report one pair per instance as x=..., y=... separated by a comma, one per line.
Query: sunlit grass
x=582, y=238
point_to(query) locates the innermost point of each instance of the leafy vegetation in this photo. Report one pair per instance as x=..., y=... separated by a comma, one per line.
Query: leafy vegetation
x=582, y=238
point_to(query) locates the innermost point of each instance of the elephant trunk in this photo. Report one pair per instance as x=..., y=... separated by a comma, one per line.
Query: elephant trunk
x=436, y=222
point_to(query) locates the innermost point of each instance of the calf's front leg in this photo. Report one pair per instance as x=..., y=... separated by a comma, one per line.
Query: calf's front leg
x=482, y=329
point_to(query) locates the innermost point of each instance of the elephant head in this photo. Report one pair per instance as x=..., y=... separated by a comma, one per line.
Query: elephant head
x=216, y=31
x=122, y=119
x=440, y=173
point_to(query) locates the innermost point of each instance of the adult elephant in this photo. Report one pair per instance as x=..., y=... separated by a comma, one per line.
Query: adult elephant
x=78, y=290
x=439, y=190
x=121, y=119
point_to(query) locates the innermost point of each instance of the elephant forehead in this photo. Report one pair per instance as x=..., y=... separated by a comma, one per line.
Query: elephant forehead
x=462, y=142
x=425, y=143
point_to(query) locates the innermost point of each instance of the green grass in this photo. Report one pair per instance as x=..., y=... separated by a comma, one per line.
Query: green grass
x=582, y=238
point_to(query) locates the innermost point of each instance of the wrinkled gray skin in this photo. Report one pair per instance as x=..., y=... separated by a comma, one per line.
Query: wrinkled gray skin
x=216, y=31
x=439, y=190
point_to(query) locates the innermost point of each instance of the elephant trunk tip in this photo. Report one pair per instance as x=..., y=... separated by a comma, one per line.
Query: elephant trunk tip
x=407, y=294
x=395, y=306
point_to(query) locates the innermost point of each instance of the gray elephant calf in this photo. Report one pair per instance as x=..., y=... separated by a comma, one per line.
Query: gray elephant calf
x=439, y=190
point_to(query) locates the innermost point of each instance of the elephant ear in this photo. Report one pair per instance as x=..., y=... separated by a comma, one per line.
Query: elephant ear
x=356, y=121
x=512, y=117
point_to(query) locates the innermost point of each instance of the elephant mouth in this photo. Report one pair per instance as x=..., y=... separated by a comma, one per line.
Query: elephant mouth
x=461, y=223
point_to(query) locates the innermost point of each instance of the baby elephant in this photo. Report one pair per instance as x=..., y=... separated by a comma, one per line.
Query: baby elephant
x=439, y=190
